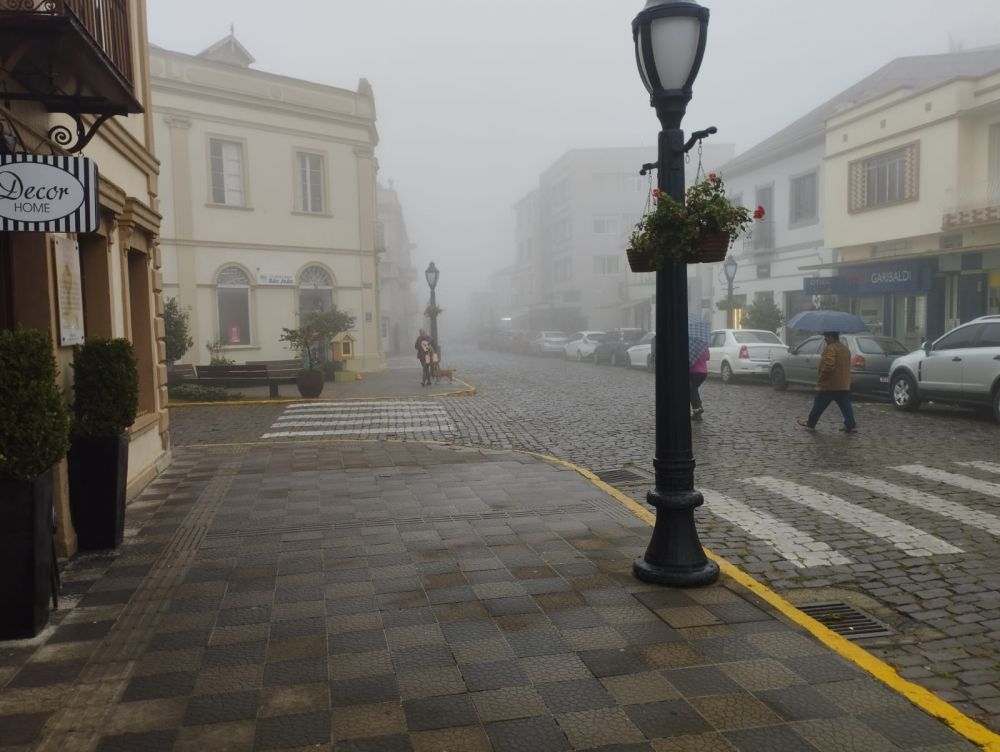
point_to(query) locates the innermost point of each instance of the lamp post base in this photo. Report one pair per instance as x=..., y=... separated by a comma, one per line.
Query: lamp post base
x=675, y=556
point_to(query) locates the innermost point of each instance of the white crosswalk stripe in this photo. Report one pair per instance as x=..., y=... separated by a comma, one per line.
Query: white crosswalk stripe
x=362, y=418
x=913, y=541
x=792, y=544
x=967, y=515
x=989, y=467
x=952, y=479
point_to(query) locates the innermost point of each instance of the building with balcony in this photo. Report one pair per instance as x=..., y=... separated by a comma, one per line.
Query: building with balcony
x=570, y=271
x=912, y=206
x=77, y=87
x=269, y=202
x=401, y=316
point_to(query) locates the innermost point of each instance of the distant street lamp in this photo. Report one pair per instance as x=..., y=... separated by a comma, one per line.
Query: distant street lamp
x=669, y=40
x=431, y=275
x=729, y=267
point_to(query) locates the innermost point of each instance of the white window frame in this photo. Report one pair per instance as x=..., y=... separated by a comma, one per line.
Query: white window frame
x=607, y=265
x=248, y=287
x=607, y=225
x=306, y=182
x=799, y=216
x=233, y=187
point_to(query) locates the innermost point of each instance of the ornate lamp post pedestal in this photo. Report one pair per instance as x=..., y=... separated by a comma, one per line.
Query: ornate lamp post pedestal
x=670, y=43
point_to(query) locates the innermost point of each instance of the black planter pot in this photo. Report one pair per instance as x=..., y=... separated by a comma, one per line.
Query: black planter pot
x=25, y=556
x=98, y=472
x=310, y=383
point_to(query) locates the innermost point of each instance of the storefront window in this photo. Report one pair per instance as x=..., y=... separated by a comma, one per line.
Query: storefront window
x=871, y=310
x=993, y=302
x=233, y=294
x=910, y=319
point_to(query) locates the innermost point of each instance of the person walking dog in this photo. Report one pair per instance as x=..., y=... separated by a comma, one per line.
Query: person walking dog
x=425, y=347
x=833, y=384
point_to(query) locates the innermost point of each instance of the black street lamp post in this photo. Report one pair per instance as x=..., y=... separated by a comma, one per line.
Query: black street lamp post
x=729, y=268
x=431, y=275
x=669, y=44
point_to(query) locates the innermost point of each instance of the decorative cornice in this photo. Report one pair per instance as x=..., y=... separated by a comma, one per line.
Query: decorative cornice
x=177, y=122
x=110, y=196
x=237, y=245
x=142, y=216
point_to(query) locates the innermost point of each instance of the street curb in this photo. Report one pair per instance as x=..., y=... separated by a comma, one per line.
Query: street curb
x=468, y=391
x=922, y=698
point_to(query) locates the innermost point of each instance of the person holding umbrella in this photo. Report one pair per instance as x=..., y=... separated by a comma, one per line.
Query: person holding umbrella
x=698, y=335
x=833, y=381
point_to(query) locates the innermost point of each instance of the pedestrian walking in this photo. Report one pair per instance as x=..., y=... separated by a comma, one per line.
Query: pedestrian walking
x=698, y=374
x=833, y=384
x=426, y=352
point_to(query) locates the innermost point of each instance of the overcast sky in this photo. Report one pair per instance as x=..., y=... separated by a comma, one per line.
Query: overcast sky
x=475, y=98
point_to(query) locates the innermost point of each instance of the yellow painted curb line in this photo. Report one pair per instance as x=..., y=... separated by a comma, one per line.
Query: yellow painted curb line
x=922, y=698
x=468, y=391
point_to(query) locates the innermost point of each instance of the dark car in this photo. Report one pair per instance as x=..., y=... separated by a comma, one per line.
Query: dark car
x=871, y=357
x=615, y=344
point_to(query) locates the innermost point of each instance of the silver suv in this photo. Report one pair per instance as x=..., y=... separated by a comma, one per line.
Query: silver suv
x=962, y=367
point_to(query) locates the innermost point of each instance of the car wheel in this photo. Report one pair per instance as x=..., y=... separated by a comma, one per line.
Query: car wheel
x=628, y=360
x=904, y=392
x=727, y=373
x=579, y=356
x=650, y=363
x=778, y=380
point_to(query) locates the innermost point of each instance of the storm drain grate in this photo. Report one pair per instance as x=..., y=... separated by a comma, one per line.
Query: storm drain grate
x=846, y=620
x=620, y=476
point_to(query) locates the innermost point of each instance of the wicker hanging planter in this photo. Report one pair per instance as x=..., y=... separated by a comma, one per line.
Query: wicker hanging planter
x=640, y=261
x=712, y=247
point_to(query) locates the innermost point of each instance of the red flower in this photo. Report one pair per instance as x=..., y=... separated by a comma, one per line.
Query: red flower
x=657, y=193
x=759, y=213
x=713, y=178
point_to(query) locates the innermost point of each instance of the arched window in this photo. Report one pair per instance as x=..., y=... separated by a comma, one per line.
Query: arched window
x=315, y=290
x=233, y=293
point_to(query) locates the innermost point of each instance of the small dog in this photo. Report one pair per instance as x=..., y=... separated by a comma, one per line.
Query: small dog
x=445, y=373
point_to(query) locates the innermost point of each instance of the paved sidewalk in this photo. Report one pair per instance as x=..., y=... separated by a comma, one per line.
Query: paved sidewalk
x=404, y=596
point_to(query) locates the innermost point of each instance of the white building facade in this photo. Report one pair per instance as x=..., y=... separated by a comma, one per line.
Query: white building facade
x=268, y=196
x=401, y=316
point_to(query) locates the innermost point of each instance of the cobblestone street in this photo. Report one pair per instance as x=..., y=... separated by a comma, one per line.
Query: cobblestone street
x=900, y=520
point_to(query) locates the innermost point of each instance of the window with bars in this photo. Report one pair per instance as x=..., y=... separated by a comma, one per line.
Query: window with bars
x=804, y=190
x=227, y=172
x=885, y=179
x=309, y=183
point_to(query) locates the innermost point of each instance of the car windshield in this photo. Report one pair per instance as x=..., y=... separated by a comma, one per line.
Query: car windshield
x=554, y=335
x=881, y=346
x=748, y=338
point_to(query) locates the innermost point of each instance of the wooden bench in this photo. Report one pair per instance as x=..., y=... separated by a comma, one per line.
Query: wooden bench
x=181, y=374
x=270, y=373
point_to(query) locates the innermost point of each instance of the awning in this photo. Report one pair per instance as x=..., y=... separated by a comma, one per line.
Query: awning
x=901, y=257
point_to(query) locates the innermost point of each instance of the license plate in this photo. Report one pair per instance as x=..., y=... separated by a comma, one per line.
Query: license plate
x=883, y=379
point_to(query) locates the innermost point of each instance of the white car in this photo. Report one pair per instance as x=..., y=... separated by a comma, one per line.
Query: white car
x=962, y=367
x=547, y=343
x=733, y=353
x=581, y=345
x=640, y=355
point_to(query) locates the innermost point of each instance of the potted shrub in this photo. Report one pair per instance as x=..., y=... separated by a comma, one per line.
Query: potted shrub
x=105, y=403
x=34, y=427
x=310, y=340
x=700, y=230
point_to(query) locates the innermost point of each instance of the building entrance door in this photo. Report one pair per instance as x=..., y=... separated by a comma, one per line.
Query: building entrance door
x=6, y=283
x=971, y=296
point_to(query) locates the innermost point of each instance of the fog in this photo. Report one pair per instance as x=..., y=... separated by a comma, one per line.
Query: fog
x=475, y=98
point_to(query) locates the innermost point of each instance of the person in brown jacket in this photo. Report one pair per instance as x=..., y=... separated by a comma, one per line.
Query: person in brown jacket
x=833, y=384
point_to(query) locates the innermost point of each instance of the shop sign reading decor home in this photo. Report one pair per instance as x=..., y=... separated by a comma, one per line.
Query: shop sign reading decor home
x=47, y=194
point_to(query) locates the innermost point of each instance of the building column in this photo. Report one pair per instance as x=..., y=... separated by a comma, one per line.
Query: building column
x=187, y=281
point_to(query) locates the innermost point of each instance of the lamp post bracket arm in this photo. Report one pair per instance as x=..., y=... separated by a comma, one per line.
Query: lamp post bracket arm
x=699, y=136
x=649, y=167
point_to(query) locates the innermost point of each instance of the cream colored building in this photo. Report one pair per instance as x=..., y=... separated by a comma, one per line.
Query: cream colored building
x=107, y=282
x=401, y=314
x=268, y=197
x=912, y=197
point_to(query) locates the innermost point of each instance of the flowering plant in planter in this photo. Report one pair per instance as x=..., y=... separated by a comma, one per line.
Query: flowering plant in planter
x=699, y=230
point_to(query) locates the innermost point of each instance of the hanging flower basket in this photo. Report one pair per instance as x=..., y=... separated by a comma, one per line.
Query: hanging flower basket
x=698, y=231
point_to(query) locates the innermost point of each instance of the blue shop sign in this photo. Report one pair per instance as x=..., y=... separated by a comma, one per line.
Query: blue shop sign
x=875, y=279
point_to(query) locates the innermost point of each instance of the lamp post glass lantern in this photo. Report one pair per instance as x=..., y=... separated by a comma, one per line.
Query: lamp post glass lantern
x=669, y=38
x=729, y=268
x=431, y=275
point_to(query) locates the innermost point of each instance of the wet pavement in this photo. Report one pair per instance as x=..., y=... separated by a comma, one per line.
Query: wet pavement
x=403, y=596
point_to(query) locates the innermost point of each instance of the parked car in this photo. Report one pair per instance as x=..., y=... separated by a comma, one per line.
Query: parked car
x=514, y=341
x=961, y=367
x=641, y=354
x=743, y=352
x=615, y=344
x=581, y=345
x=871, y=357
x=549, y=343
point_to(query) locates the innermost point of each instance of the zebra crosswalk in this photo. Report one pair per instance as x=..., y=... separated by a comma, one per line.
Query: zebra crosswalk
x=363, y=418
x=804, y=549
